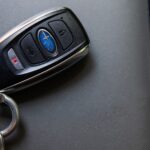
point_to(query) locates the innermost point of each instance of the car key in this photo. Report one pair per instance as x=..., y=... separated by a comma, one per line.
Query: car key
x=41, y=47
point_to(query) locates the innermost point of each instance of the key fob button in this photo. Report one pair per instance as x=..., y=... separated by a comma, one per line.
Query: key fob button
x=31, y=51
x=40, y=48
x=62, y=32
x=14, y=59
x=47, y=41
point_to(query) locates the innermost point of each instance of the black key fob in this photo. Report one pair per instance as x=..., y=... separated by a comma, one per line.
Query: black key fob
x=41, y=47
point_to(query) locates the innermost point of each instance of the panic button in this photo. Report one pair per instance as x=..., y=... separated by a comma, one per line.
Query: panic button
x=14, y=60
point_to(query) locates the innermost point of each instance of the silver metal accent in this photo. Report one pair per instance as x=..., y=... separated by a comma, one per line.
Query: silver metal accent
x=24, y=25
x=48, y=73
x=1, y=143
x=15, y=114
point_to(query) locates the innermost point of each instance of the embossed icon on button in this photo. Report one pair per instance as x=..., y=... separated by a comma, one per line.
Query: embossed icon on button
x=47, y=41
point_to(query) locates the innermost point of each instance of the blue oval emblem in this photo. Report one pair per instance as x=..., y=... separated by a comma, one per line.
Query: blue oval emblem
x=46, y=40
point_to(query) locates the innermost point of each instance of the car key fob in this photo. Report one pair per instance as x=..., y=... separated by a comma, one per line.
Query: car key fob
x=41, y=47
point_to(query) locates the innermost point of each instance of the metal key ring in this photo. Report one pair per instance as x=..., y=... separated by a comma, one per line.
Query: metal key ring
x=15, y=114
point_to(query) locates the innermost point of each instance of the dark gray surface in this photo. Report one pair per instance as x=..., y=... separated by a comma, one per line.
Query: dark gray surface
x=102, y=103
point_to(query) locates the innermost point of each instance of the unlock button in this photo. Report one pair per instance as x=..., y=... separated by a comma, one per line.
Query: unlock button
x=62, y=32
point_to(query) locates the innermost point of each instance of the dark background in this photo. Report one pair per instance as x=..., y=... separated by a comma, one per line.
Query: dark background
x=102, y=103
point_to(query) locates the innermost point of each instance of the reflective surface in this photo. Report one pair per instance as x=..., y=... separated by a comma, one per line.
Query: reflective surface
x=102, y=103
x=4, y=99
x=1, y=142
x=46, y=40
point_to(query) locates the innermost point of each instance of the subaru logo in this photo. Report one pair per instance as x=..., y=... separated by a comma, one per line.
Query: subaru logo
x=47, y=41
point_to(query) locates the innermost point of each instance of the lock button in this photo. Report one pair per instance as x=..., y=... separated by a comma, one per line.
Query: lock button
x=31, y=51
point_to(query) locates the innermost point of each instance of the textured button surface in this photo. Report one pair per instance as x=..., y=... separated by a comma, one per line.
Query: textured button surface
x=31, y=50
x=62, y=32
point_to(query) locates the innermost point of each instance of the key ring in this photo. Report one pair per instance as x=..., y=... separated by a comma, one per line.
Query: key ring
x=15, y=114
x=1, y=142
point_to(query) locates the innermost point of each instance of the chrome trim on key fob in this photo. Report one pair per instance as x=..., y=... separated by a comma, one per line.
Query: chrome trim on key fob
x=26, y=61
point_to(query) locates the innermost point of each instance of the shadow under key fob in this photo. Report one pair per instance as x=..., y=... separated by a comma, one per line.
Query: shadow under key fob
x=41, y=47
